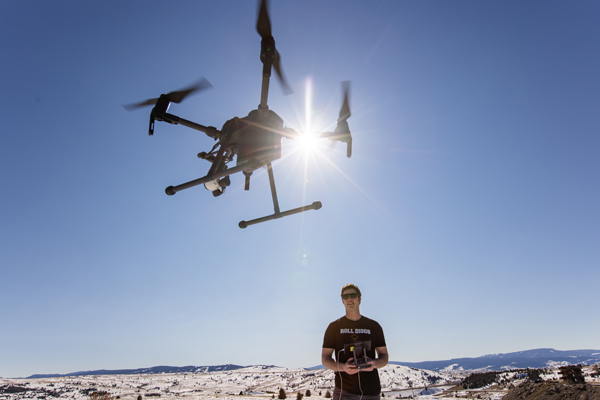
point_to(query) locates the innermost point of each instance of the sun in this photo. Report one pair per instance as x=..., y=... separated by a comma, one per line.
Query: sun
x=308, y=141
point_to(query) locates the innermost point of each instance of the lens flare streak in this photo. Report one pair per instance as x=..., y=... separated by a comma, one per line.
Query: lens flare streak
x=334, y=165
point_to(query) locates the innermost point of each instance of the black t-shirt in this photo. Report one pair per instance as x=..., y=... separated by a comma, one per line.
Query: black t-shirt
x=344, y=331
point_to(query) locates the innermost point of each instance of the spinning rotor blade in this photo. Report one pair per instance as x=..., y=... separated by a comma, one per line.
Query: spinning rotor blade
x=345, y=111
x=135, y=106
x=263, y=27
x=276, y=64
x=263, y=23
x=178, y=96
x=342, y=124
x=173, y=97
x=342, y=130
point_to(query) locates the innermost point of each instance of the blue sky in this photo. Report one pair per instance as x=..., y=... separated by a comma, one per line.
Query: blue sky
x=468, y=214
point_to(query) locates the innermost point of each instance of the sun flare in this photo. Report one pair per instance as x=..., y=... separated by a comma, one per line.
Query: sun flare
x=308, y=141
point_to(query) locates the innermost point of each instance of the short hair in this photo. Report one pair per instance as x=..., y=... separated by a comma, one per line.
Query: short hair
x=351, y=286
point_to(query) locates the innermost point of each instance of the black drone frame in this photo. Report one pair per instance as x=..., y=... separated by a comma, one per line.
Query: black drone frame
x=255, y=139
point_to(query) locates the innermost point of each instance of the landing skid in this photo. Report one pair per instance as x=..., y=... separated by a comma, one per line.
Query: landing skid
x=278, y=214
x=252, y=164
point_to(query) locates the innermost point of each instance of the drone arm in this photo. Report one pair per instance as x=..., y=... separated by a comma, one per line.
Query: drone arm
x=342, y=137
x=264, y=94
x=209, y=130
x=175, y=120
x=252, y=164
x=289, y=133
x=345, y=137
x=159, y=113
x=213, y=172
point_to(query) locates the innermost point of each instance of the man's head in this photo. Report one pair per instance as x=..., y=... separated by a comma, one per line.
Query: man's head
x=351, y=286
x=351, y=300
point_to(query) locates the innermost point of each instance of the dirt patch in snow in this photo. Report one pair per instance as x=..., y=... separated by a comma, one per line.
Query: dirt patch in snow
x=553, y=391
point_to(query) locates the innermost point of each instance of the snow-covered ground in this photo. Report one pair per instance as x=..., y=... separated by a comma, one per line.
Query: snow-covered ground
x=256, y=381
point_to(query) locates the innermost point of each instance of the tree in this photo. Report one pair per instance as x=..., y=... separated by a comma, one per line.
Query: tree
x=572, y=373
x=327, y=395
x=100, y=396
x=308, y=393
x=299, y=396
x=282, y=394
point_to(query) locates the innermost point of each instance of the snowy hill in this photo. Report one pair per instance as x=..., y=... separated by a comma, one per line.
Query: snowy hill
x=254, y=380
x=152, y=370
x=259, y=382
x=538, y=358
x=232, y=382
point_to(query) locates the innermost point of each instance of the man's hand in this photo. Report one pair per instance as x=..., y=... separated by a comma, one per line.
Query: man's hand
x=370, y=368
x=350, y=367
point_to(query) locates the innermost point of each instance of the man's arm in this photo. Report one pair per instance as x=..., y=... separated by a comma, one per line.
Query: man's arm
x=382, y=357
x=329, y=363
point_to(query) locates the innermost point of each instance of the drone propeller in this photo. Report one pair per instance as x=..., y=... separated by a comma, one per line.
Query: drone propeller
x=172, y=97
x=345, y=111
x=342, y=127
x=263, y=23
x=263, y=27
x=277, y=65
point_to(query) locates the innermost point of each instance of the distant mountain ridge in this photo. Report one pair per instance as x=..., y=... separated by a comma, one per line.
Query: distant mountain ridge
x=537, y=358
x=153, y=370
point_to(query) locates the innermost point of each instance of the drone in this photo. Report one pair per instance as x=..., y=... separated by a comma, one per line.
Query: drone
x=255, y=140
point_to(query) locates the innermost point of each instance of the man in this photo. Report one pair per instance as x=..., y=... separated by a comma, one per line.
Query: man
x=352, y=383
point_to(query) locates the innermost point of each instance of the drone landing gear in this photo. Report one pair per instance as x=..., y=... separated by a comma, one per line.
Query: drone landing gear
x=278, y=214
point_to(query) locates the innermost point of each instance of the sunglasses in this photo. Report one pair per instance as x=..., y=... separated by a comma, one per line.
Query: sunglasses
x=349, y=296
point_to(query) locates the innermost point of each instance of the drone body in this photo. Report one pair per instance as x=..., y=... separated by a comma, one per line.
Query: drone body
x=255, y=140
